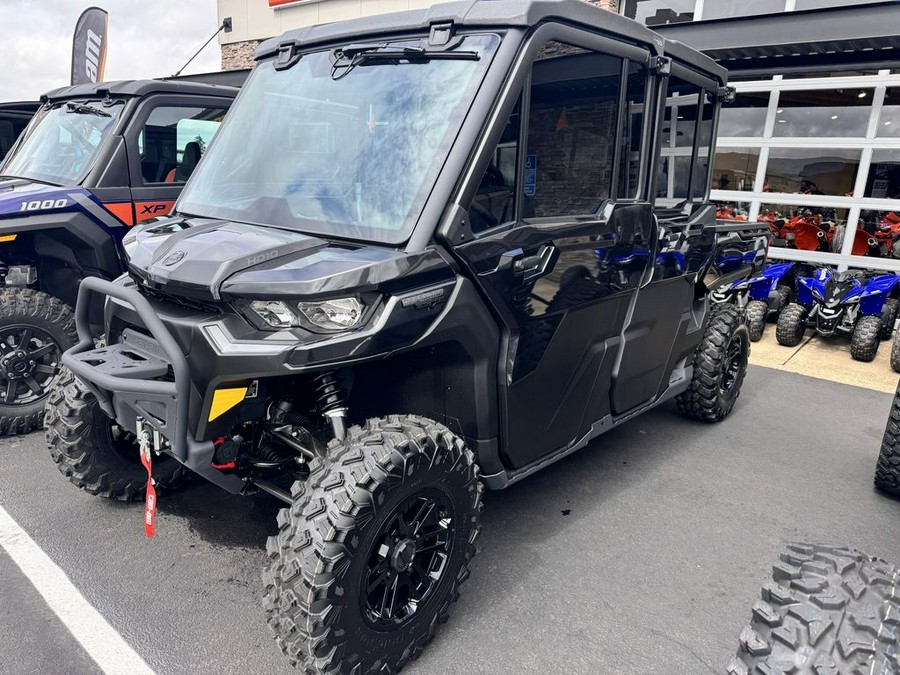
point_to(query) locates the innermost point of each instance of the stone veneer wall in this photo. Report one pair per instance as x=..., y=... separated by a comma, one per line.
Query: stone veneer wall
x=239, y=55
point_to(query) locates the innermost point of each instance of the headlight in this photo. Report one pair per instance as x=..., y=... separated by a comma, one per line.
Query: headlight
x=337, y=314
x=273, y=312
x=328, y=315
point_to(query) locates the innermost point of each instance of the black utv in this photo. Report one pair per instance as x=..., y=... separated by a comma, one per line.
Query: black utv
x=421, y=258
x=94, y=160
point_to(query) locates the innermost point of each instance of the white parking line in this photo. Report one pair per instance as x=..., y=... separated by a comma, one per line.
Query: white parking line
x=100, y=640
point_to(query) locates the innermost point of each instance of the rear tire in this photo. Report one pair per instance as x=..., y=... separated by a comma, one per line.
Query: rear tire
x=94, y=453
x=791, y=325
x=887, y=468
x=720, y=364
x=866, y=338
x=354, y=525
x=888, y=318
x=757, y=311
x=35, y=329
x=829, y=610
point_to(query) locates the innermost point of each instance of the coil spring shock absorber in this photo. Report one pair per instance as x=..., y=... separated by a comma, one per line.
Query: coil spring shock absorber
x=331, y=403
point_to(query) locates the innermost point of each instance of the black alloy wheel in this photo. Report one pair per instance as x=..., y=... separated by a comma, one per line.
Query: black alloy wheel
x=30, y=358
x=408, y=558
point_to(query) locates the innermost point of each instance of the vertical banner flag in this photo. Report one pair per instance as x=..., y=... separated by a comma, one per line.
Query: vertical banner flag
x=89, y=46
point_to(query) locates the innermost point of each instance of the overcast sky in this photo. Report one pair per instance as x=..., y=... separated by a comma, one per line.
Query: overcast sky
x=147, y=38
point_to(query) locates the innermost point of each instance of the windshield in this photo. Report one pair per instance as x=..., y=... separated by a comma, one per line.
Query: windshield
x=346, y=151
x=61, y=143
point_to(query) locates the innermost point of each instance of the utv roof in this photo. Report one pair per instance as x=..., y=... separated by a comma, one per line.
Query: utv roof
x=496, y=14
x=139, y=88
x=22, y=107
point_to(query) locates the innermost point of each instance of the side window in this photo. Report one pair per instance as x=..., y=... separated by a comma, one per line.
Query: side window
x=688, y=116
x=494, y=202
x=632, y=137
x=704, y=143
x=572, y=124
x=173, y=140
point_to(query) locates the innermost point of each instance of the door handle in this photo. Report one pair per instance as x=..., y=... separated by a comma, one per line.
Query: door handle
x=532, y=267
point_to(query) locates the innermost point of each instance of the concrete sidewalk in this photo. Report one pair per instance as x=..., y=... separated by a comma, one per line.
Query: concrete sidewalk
x=826, y=359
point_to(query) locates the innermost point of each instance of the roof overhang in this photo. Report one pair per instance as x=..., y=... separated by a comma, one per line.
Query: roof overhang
x=857, y=36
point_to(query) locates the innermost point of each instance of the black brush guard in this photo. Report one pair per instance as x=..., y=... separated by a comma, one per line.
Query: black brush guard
x=120, y=377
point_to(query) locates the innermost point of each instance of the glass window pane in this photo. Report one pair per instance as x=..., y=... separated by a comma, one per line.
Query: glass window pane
x=884, y=175
x=572, y=126
x=725, y=9
x=660, y=12
x=824, y=4
x=808, y=228
x=700, y=176
x=174, y=139
x=681, y=105
x=746, y=116
x=494, y=202
x=889, y=124
x=884, y=228
x=815, y=171
x=732, y=210
x=632, y=135
x=735, y=168
x=823, y=113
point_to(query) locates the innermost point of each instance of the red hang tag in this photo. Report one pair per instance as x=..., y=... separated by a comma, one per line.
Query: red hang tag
x=150, y=503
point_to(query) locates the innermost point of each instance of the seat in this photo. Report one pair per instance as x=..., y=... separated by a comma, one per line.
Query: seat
x=189, y=162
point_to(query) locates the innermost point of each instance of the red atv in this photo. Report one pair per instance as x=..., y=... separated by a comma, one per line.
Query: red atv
x=806, y=230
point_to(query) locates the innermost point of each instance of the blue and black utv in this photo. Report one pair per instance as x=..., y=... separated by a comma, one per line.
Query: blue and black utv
x=94, y=160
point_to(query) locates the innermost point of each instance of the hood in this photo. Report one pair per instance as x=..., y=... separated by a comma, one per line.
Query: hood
x=223, y=260
x=18, y=196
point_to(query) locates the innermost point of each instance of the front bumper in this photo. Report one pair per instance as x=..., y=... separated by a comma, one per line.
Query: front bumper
x=120, y=375
x=165, y=363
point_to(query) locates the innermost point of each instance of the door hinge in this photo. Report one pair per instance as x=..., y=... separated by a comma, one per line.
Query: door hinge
x=726, y=94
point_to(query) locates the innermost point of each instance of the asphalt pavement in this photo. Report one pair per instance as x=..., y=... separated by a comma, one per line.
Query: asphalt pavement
x=642, y=553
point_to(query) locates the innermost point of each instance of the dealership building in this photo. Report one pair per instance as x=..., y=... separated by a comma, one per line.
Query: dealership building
x=814, y=130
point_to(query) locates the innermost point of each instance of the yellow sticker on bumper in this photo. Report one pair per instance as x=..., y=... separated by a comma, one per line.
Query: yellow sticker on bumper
x=224, y=400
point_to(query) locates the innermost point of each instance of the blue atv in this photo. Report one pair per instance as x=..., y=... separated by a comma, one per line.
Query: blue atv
x=842, y=303
x=761, y=296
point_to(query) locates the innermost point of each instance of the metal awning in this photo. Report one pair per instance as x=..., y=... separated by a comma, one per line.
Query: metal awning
x=839, y=37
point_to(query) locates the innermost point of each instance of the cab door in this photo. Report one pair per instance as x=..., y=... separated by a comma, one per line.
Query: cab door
x=165, y=140
x=561, y=239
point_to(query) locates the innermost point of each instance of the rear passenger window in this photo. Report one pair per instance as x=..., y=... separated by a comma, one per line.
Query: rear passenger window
x=572, y=123
x=174, y=139
x=688, y=119
x=632, y=137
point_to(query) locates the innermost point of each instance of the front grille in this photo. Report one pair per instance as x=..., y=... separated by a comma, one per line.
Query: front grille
x=189, y=303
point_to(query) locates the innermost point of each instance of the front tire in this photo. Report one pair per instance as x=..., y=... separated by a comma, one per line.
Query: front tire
x=371, y=554
x=757, y=311
x=720, y=364
x=791, y=325
x=887, y=468
x=829, y=610
x=35, y=329
x=94, y=453
x=866, y=338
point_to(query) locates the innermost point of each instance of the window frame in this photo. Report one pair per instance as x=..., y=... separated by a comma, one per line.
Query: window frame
x=519, y=85
x=139, y=122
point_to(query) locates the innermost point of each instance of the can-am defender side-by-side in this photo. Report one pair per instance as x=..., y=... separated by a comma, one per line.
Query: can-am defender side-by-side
x=94, y=160
x=420, y=258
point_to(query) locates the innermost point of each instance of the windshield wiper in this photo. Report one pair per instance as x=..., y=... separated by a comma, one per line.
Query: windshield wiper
x=347, y=58
x=82, y=109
